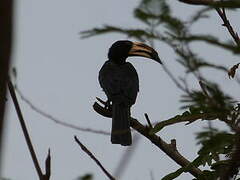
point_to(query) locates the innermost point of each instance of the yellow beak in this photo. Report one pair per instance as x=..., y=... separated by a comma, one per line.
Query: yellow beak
x=141, y=49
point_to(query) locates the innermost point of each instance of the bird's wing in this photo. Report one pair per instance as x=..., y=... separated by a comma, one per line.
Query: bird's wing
x=119, y=81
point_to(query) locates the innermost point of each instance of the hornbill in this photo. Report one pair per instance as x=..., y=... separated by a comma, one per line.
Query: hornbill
x=119, y=81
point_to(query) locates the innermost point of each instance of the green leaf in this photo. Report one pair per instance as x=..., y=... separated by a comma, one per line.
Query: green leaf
x=211, y=40
x=207, y=175
x=174, y=174
x=216, y=102
x=139, y=34
x=220, y=164
x=187, y=116
x=214, y=143
x=199, y=15
x=149, y=11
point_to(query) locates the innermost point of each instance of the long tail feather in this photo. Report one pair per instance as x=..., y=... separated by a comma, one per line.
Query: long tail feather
x=121, y=133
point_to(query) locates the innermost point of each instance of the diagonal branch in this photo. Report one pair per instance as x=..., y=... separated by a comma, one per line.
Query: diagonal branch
x=85, y=149
x=56, y=120
x=218, y=5
x=189, y=119
x=165, y=147
x=159, y=142
x=27, y=137
x=229, y=27
x=47, y=174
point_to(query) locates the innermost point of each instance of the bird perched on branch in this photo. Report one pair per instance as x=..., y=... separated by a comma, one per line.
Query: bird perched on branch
x=120, y=83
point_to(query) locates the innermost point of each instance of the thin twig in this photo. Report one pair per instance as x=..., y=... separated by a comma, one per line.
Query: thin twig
x=24, y=129
x=148, y=120
x=84, y=148
x=173, y=78
x=166, y=148
x=210, y=99
x=202, y=85
x=165, y=68
x=56, y=120
x=189, y=119
x=174, y=144
x=221, y=13
x=47, y=166
x=161, y=144
x=227, y=24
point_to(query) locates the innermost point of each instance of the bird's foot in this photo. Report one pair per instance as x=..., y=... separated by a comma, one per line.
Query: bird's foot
x=104, y=111
x=107, y=104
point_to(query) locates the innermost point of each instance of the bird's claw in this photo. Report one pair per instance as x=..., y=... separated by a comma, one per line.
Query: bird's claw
x=104, y=111
x=107, y=104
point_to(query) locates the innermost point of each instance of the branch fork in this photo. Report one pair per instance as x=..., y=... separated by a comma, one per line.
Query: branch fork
x=169, y=149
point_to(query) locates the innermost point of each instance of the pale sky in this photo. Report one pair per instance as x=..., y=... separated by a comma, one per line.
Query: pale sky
x=58, y=72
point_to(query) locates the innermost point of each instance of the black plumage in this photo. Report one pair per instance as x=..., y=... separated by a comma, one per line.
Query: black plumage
x=120, y=83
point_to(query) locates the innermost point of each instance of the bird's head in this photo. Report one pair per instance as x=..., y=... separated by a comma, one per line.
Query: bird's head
x=121, y=50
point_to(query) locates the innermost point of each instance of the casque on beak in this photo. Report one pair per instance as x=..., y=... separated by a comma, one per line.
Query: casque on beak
x=141, y=49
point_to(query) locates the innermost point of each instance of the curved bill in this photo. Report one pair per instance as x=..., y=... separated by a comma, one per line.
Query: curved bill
x=141, y=49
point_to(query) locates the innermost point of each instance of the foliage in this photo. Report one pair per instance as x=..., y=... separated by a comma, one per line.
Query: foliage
x=209, y=102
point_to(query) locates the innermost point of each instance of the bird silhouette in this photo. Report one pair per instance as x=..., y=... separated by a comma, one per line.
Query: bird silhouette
x=119, y=80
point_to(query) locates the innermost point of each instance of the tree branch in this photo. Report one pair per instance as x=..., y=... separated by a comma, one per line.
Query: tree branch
x=189, y=119
x=214, y=3
x=161, y=144
x=221, y=13
x=47, y=166
x=229, y=27
x=197, y=2
x=27, y=137
x=84, y=148
x=148, y=120
x=56, y=120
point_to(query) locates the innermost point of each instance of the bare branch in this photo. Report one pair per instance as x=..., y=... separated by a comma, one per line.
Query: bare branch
x=161, y=144
x=214, y=3
x=197, y=2
x=84, y=148
x=56, y=120
x=25, y=131
x=148, y=120
x=189, y=119
x=174, y=144
x=47, y=166
x=227, y=24
x=173, y=78
x=221, y=13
